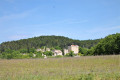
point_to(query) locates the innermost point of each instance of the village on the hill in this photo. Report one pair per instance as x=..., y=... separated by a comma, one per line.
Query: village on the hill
x=73, y=48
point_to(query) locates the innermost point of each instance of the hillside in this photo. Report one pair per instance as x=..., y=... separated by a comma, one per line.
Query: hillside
x=48, y=41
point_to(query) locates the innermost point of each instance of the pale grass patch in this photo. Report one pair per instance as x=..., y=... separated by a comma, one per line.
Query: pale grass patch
x=66, y=68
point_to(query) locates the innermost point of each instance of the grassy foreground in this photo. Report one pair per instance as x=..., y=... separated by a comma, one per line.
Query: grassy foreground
x=74, y=68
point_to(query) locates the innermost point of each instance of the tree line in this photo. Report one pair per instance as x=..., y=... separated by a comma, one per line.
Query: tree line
x=48, y=41
x=106, y=46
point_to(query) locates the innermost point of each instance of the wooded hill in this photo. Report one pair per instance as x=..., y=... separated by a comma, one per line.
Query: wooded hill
x=48, y=41
x=14, y=49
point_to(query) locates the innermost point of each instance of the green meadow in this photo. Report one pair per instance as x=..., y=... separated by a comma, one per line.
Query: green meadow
x=65, y=68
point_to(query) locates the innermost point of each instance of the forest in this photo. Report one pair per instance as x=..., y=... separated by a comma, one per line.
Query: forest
x=104, y=46
x=48, y=41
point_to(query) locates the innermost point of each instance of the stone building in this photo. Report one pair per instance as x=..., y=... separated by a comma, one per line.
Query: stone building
x=65, y=51
x=57, y=52
x=42, y=50
x=74, y=48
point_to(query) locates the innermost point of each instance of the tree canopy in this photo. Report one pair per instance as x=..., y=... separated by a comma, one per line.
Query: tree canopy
x=57, y=42
x=108, y=45
x=26, y=48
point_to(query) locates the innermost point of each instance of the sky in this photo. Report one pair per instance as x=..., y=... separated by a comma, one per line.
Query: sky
x=76, y=19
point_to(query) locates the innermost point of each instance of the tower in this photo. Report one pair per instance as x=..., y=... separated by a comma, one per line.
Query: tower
x=74, y=48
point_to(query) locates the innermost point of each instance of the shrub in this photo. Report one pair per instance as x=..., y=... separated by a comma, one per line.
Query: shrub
x=23, y=50
x=39, y=54
x=80, y=54
x=30, y=54
x=48, y=53
x=71, y=54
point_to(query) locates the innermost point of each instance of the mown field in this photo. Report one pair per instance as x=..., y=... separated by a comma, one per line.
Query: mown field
x=66, y=68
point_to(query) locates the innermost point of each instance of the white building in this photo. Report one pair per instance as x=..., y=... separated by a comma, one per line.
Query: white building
x=34, y=55
x=57, y=52
x=65, y=51
x=38, y=50
x=74, y=48
x=42, y=50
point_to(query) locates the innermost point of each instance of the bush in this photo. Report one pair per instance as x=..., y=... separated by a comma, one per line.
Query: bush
x=71, y=54
x=9, y=54
x=80, y=54
x=23, y=50
x=30, y=54
x=48, y=53
x=83, y=51
x=90, y=52
x=39, y=54
x=0, y=55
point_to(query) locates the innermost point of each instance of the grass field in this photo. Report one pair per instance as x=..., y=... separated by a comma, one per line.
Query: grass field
x=66, y=68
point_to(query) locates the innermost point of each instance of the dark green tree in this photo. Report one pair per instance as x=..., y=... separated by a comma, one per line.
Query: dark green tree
x=48, y=53
x=83, y=51
x=38, y=54
x=109, y=45
x=71, y=53
x=58, y=42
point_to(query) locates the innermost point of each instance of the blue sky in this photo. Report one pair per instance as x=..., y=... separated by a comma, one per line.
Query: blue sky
x=77, y=19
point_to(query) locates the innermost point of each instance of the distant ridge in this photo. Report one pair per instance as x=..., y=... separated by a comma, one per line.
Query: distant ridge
x=48, y=41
